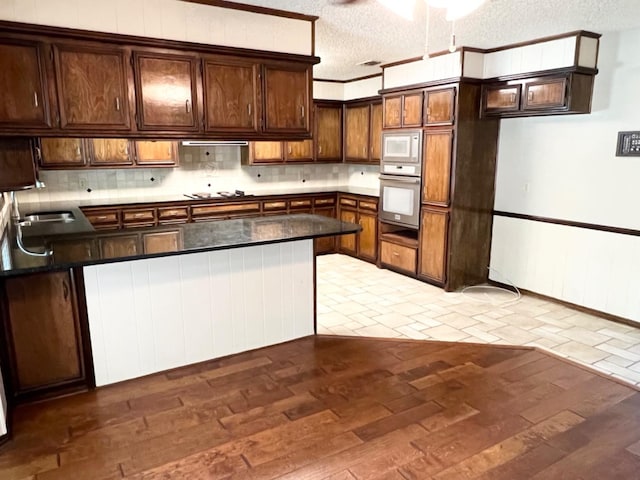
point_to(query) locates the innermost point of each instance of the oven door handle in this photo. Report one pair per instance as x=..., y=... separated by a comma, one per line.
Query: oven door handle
x=400, y=179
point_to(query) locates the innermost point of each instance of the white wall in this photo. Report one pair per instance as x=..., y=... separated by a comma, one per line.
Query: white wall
x=565, y=167
x=167, y=19
x=353, y=90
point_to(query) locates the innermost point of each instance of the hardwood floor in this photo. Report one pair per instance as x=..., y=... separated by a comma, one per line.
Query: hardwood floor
x=341, y=408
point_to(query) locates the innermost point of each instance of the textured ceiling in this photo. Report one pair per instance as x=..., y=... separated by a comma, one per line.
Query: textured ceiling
x=366, y=30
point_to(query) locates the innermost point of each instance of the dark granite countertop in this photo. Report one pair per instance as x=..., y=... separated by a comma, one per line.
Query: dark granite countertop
x=85, y=247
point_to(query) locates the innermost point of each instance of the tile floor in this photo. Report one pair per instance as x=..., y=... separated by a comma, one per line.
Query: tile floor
x=356, y=298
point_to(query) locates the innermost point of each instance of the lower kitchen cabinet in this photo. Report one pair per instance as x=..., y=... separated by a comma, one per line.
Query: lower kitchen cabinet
x=399, y=253
x=433, y=244
x=120, y=246
x=46, y=341
x=363, y=211
x=161, y=242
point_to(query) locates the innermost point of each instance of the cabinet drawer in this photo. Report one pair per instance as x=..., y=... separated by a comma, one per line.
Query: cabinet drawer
x=146, y=215
x=224, y=210
x=274, y=206
x=367, y=205
x=300, y=203
x=103, y=218
x=348, y=202
x=321, y=202
x=173, y=214
x=399, y=256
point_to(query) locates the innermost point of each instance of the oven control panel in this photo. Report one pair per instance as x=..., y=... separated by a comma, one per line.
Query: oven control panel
x=628, y=144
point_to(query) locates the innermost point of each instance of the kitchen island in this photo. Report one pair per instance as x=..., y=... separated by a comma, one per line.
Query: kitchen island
x=156, y=298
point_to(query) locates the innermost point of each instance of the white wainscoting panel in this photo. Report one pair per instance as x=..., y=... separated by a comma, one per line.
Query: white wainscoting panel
x=155, y=314
x=586, y=267
x=434, y=68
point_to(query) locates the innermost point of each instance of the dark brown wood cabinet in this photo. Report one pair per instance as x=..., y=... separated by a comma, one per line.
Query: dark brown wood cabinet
x=47, y=341
x=92, y=86
x=67, y=250
x=328, y=132
x=375, y=139
x=433, y=244
x=162, y=242
x=403, y=110
x=439, y=106
x=287, y=101
x=23, y=85
x=436, y=167
x=300, y=151
x=113, y=152
x=265, y=153
x=557, y=94
x=17, y=164
x=166, y=91
x=157, y=153
x=363, y=131
x=325, y=205
x=230, y=95
x=62, y=152
x=120, y=246
x=398, y=255
x=363, y=211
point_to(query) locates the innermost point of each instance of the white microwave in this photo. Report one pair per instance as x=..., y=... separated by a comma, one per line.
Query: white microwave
x=402, y=147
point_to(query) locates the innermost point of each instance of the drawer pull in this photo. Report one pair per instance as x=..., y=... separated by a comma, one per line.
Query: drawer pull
x=35, y=99
x=102, y=217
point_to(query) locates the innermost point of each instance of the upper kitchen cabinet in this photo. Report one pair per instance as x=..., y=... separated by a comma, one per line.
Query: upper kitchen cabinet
x=403, y=110
x=92, y=87
x=16, y=164
x=166, y=91
x=62, y=153
x=22, y=83
x=328, y=132
x=156, y=153
x=230, y=96
x=363, y=132
x=439, y=106
x=287, y=98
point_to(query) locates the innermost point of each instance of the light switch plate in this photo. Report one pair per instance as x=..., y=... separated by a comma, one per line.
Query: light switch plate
x=628, y=144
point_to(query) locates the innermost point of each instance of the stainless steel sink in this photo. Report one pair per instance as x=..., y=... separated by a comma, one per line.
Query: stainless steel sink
x=45, y=217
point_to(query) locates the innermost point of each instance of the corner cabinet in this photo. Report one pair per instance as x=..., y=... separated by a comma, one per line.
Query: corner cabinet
x=558, y=94
x=37, y=309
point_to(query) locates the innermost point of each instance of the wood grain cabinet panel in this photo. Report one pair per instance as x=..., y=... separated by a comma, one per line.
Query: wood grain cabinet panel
x=44, y=334
x=17, y=165
x=433, y=244
x=357, y=124
x=139, y=216
x=363, y=211
x=392, y=111
x=545, y=94
x=368, y=241
x=328, y=135
x=162, y=242
x=266, y=152
x=325, y=244
x=499, y=99
x=300, y=152
x=439, y=106
x=103, y=219
x=166, y=91
x=231, y=96
x=110, y=152
x=161, y=153
x=92, y=87
x=348, y=242
x=177, y=214
x=436, y=175
x=403, y=110
x=120, y=246
x=74, y=250
x=286, y=98
x=375, y=140
x=62, y=152
x=398, y=256
x=22, y=83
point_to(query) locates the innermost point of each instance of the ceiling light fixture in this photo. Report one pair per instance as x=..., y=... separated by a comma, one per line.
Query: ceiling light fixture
x=456, y=9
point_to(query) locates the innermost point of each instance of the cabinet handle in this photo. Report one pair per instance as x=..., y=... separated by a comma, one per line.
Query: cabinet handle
x=78, y=152
x=530, y=95
x=188, y=106
x=395, y=254
x=89, y=252
x=289, y=150
x=118, y=104
x=513, y=98
x=319, y=148
x=35, y=100
x=101, y=217
x=65, y=290
x=364, y=151
x=302, y=111
x=249, y=109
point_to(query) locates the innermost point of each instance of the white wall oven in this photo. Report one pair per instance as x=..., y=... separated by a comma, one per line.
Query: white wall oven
x=400, y=179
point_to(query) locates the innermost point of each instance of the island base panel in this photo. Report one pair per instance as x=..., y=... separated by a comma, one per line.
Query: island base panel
x=156, y=314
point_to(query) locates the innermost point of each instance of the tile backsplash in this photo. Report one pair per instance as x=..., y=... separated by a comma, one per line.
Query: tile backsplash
x=202, y=169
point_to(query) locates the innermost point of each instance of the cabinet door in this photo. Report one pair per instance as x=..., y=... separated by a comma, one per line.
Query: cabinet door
x=545, y=94
x=501, y=98
x=398, y=256
x=16, y=164
x=92, y=87
x=74, y=250
x=357, y=123
x=110, y=152
x=44, y=333
x=375, y=145
x=230, y=96
x=119, y=246
x=392, y=108
x=301, y=151
x=348, y=242
x=436, y=173
x=439, y=106
x=22, y=83
x=266, y=152
x=433, y=244
x=368, y=237
x=412, y=110
x=161, y=242
x=325, y=244
x=166, y=92
x=156, y=152
x=328, y=133
x=62, y=153
x=286, y=98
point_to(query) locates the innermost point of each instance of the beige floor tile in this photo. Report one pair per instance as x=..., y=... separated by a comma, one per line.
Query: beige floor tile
x=332, y=319
x=635, y=367
x=393, y=320
x=457, y=320
x=582, y=335
x=624, y=373
x=581, y=352
x=478, y=333
x=521, y=320
x=513, y=335
x=554, y=338
x=426, y=320
x=377, y=331
x=349, y=308
x=587, y=321
x=621, y=362
x=633, y=357
x=445, y=333
x=407, y=331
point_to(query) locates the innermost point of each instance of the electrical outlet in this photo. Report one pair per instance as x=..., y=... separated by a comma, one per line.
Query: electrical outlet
x=82, y=182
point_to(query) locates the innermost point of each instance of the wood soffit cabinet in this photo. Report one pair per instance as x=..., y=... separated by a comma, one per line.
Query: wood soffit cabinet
x=63, y=82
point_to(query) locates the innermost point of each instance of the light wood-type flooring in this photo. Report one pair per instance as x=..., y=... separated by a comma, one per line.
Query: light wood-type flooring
x=341, y=408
